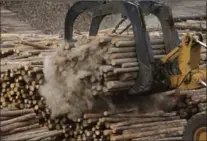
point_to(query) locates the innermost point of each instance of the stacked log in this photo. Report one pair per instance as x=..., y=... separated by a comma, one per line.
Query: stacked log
x=192, y=102
x=127, y=125
x=20, y=89
x=22, y=125
x=193, y=25
x=119, y=66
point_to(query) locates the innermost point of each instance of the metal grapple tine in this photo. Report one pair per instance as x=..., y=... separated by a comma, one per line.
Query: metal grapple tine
x=74, y=12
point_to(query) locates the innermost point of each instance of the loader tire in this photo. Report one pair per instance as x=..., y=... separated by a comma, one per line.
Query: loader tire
x=195, y=130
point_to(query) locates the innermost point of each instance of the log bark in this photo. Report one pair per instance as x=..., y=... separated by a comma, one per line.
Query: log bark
x=25, y=128
x=122, y=50
x=121, y=61
x=144, y=134
x=46, y=135
x=34, y=45
x=142, y=120
x=119, y=84
x=16, y=112
x=129, y=65
x=126, y=70
x=123, y=55
x=19, y=119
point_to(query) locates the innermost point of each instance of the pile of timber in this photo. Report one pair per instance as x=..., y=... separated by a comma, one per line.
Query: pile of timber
x=192, y=102
x=119, y=68
x=27, y=49
x=193, y=25
x=22, y=125
x=127, y=125
x=21, y=67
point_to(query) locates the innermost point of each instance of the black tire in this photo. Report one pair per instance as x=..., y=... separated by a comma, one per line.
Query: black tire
x=196, y=122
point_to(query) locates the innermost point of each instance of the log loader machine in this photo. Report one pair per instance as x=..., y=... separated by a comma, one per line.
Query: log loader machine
x=179, y=69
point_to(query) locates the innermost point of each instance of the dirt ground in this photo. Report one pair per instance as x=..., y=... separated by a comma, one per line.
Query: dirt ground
x=49, y=16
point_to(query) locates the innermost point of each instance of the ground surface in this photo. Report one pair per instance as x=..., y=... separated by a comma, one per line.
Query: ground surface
x=49, y=16
x=11, y=24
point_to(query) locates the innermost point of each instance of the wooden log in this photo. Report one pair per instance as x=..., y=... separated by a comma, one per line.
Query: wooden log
x=143, y=125
x=16, y=125
x=154, y=128
x=46, y=135
x=158, y=47
x=122, y=50
x=126, y=70
x=105, y=40
x=106, y=68
x=170, y=139
x=121, y=61
x=16, y=112
x=142, y=120
x=27, y=135
x=144, y=134
x=7, y=44
x=123, y=55
x=119, y=84
x=191, y=17
x=34, y=45
x=129, y=65
x=91, y=115
x=127, y=76
x=132, y=43
x=21, y=129
x=190, y=27
x=4, y=118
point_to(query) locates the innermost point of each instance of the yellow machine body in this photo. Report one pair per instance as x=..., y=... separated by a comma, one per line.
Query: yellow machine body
x=188, y=57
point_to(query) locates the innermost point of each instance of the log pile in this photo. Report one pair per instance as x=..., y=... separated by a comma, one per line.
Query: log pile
x=118, y=67
x=117, y=71
x=122, y=125
x=21, y=125
x=193, y=25
x=192, y=102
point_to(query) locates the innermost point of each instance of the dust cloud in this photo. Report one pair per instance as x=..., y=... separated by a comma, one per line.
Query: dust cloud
x=67, y=87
